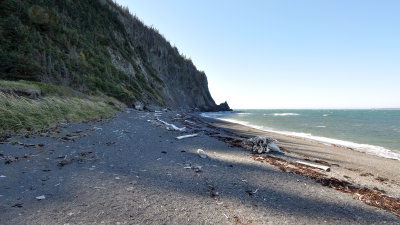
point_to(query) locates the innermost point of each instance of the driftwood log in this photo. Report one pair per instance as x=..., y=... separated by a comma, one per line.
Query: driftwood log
x=262, y=144
x=171, y=126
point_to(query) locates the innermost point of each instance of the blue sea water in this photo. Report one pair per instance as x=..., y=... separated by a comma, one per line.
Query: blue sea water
x=372, y=131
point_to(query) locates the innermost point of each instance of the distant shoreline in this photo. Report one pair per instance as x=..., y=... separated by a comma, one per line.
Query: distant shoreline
x=347, y=162
x=371, y=149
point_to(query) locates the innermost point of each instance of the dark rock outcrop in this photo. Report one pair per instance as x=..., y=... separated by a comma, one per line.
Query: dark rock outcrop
x=223, y=107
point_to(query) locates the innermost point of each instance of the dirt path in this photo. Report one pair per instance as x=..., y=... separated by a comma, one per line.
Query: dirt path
x=131, y=170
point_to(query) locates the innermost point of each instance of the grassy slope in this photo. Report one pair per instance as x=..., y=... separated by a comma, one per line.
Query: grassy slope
x=20, y=114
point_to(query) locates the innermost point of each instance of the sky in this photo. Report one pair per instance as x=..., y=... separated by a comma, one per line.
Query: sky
x=283, y=54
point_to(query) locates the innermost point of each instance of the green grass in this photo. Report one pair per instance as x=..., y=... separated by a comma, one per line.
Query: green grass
x=21, y=115
x=22, y=85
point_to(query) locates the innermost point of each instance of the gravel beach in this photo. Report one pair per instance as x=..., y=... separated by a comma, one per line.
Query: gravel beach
x=132, y=169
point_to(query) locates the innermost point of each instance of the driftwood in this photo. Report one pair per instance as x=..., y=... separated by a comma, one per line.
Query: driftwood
x=171, y=126
x=261, y=144
x=186, y=136
x=368, y=196
x=325, y=168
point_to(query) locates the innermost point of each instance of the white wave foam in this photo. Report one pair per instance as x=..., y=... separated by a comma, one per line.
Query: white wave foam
x=369, y=149
x=213, y=114
x=321, y=126
x=325, y=115
x=285, y=114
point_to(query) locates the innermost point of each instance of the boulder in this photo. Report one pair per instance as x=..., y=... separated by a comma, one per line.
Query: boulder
x=138, y=105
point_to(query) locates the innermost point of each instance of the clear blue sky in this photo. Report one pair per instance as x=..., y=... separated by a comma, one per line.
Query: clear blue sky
x=287, y=54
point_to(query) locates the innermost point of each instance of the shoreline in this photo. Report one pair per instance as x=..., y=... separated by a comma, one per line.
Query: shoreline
x=370, y=149
x=356, y=167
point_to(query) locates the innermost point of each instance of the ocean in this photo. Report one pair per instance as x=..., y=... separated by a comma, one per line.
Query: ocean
x=372, y=131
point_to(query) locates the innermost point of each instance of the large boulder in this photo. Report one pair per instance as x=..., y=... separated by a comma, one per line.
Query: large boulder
x=138, y=105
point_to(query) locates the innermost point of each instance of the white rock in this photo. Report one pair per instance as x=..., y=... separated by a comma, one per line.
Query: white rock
x=40, y=197
x=130, y=189
x=202, y=153
x=138, y=105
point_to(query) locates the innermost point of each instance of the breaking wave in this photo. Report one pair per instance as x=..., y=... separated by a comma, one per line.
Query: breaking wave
x=285, y=114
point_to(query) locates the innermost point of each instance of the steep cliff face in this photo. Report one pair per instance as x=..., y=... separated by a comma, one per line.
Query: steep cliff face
x=97, y=46
x=177, y=80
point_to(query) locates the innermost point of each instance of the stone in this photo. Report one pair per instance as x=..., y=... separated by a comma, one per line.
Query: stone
x=138, y=106
x=202, y=153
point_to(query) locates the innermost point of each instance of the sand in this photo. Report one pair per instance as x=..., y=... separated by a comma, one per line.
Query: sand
x=132, y=170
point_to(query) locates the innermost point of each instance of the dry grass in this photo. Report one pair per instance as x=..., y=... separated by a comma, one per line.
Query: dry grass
x=19, y=114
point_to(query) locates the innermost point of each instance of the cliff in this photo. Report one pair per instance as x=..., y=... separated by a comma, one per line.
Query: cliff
x=97, y=47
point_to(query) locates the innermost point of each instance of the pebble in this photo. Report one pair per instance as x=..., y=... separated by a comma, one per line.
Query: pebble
x=40, y=197
x=202, y=153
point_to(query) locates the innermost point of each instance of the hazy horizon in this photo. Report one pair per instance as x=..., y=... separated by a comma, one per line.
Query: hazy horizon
x=287, y=54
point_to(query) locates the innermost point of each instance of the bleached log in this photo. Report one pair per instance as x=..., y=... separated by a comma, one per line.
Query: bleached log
x=171, y=126
x=186, y=136
x=273, y=147
x=326, y=168
x=261, y=144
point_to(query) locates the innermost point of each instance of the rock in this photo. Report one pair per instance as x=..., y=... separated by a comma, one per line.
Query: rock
x=202, y=153
x=40, y=197
x=139, y=106
x=223, y=107
x=214, y=193
x=197, y=169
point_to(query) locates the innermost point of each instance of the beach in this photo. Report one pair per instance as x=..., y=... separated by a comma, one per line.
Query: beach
x=354, y=166
x=132, y=169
